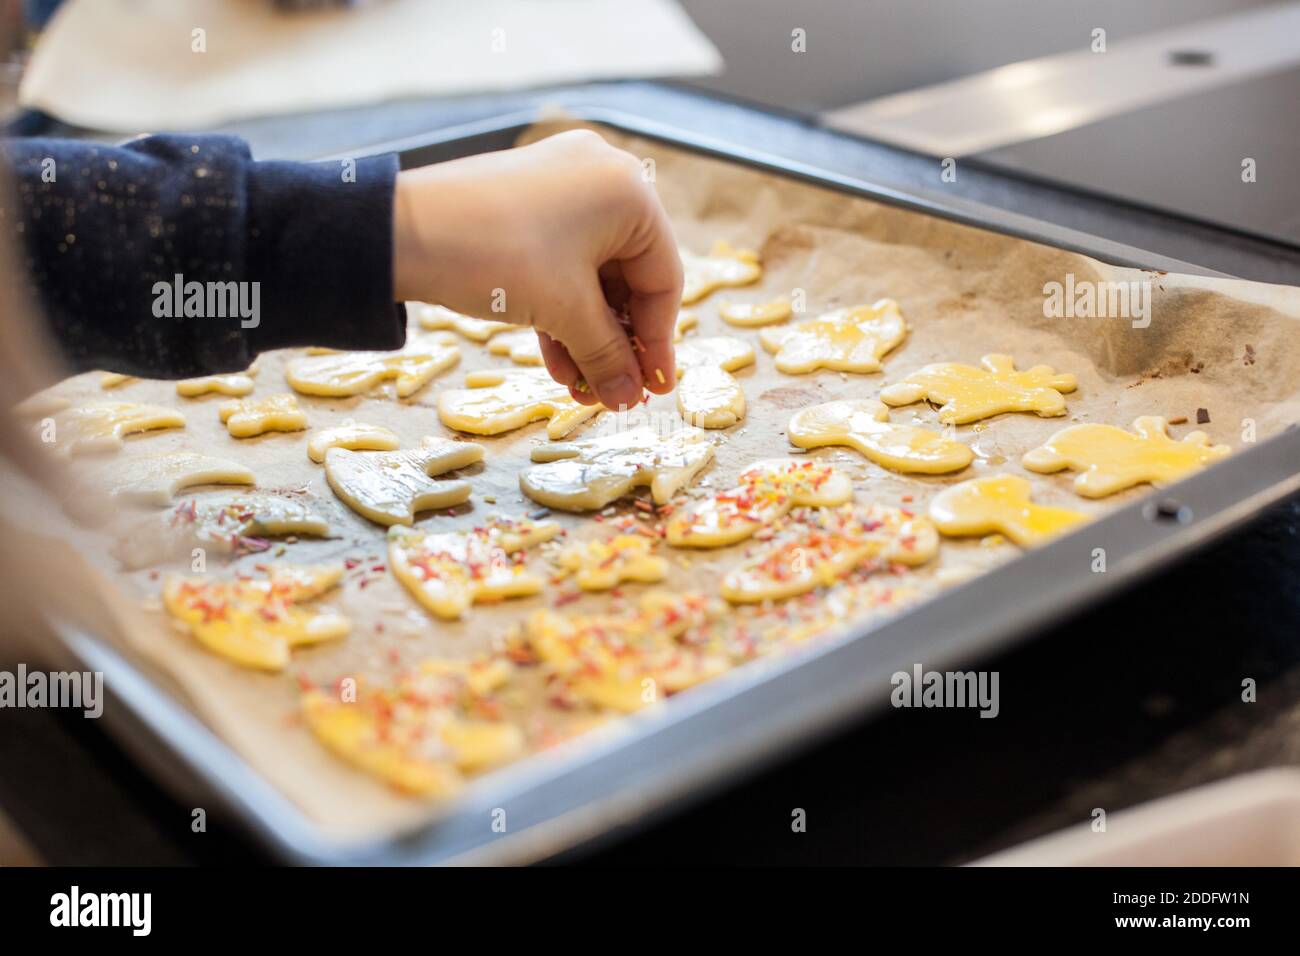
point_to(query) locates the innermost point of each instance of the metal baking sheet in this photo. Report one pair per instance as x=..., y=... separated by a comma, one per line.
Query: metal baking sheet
x=761, y=711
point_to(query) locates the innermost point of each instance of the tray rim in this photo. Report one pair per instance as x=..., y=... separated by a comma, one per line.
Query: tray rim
x=147, y=716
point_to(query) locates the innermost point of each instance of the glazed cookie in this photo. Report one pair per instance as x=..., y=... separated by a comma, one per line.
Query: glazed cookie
x=845, y=340
x=767, y=491
x=1000, y=504
x=236, y=385
x=496, y=402
x=708, y=396
x=449, y=572
x=1110, y=459
x=247, y=417
x=354, y=436
x=864, y=426
x=255, y=622
x=967, y=394
x=355, y=373
x=750, y=315
x=435, y=318
x=589, y=474
x=599, y=564
x=155, y=480
x=723, y=267
x=390, y=487
x=101, y=427
x=820, y=546
x=520, y=346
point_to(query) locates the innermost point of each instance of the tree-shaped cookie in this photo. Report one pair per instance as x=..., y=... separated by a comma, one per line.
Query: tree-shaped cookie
x=436, y=318
x=500, y=401
x=255, y=622
x=448, y=572
x=422, y=733
x=845, y=340
x=820, y=546
x=355, y=373
x=625, y=661
x=598, y=564
x=967, y=394
x=355, y=436
x=863, y=425
x=520, y=346
x=156, y=479
x=722, y=267
x=766, y=491
x=247, y=417
x=753, y=314
x=708, y=396
x=588, y=474
x=100, y=427
x=999, y=504
x=390, y=487
x=1110, y=459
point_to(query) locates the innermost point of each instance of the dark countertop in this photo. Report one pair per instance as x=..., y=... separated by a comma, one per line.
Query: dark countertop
x=1138, y=698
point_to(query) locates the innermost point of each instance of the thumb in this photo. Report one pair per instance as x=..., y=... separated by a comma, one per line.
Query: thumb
x=599, y=345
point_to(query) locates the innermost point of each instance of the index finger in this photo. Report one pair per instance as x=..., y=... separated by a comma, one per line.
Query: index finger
x=654, y=280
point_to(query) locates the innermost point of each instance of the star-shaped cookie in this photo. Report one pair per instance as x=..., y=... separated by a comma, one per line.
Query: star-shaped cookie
x=247, y=417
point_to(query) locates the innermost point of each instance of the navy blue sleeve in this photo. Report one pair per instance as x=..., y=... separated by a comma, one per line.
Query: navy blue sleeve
x=173, y=256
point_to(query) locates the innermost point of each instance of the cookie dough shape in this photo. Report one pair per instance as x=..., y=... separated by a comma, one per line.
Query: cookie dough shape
x=257, y=622
x=354, y=436
x=520, y=346
x=1000, y=504
x=111, y=380
x=436, y=318
x=390, y=487
x=42, y=404
x=722, y=267
x=708, y=396
x=686, y=320
x=967, y=394
x=767, y=491
x=624, y=662
x=823, y=545
x=355, y=373
x=599, y=564
x=155, y=480
x=500, y=401
x=845, y=340
x=236, y=385
x=101, y=427
x=864, y=426
x=1110, y=459
x=449, y=572
x=749, y=315
x=588, y=474
x=417, y=735
x=246, y=418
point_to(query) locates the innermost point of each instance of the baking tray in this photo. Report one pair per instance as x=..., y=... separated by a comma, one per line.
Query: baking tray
x=749, y=717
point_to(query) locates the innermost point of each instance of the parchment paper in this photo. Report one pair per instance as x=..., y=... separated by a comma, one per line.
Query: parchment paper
x=1227, y=347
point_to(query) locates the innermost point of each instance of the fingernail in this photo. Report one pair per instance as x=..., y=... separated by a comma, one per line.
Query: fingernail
x=617, y=391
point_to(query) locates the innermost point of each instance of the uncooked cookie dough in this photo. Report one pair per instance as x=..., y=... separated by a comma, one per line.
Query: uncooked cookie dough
x=819, y=546
x=354, y=436
x=390, y=487
x=520, y=346
x=355, y=373
x=450, y=571
x=236, y=385
x=750, y=315
x=435, y=318
x=708, y=396
x=845, y=340
x=247, y=417
x=864, y=426
x=1109, y=459
x=156, y=479
x=496, y=402
x=101, y=427
x=599, y=564
x=967, y=394
x=1000, y=504
x=723, y=267
x=588, y=474
x=767, y=491
x=255, y=622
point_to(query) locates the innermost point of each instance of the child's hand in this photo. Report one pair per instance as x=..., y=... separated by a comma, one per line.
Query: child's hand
x=550, y=235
